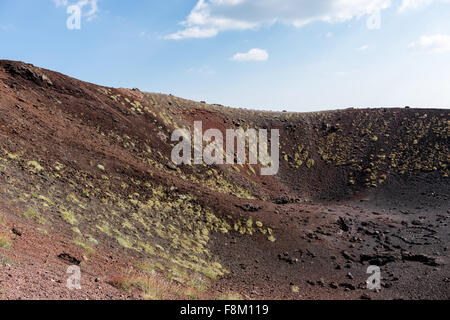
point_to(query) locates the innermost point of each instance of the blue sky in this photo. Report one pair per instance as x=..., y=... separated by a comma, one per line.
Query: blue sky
x=298, y=55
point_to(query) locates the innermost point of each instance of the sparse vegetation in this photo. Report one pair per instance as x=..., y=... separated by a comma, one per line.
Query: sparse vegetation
x=231, y=296
x=124, y=242
x=151, y=285
x=5, y=261
x=5, y=242
x=86, y=245
x=69, y=217
x=32, y=214
x=35, y=166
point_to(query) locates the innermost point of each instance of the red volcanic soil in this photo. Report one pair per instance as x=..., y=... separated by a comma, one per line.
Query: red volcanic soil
x=86, y=179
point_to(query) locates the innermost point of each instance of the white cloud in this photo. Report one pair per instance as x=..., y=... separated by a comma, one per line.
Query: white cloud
x=363, y=48
x=209, y=17
x=194, y=32
x=91, y=14
x=432, y=44
x=416, y=4
x=253, y=55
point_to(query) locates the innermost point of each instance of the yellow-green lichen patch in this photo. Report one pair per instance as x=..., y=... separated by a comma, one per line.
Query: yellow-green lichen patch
x=32, y=214
x=5, y=242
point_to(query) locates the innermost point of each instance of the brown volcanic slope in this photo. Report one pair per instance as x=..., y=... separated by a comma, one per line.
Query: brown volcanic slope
x=86, y=178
